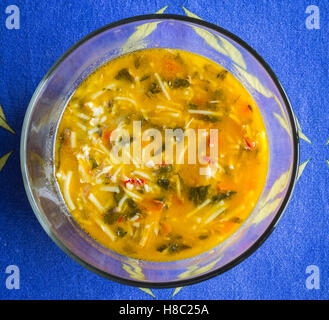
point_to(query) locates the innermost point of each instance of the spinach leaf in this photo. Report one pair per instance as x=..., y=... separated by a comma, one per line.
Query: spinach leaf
x=222, y=196
x=177, y=247
x=120, y=232
x=154, y=88
x=163, y=183
x=198, y=194
x=119, y=195
x=124, y=74
x=212, y=119
x=180, y=83
x=111, y=216
x=145, y=77
x=222, y=75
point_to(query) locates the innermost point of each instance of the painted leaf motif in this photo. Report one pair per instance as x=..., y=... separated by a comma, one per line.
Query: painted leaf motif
x=301, y=134
x=277, y=188
x=269, y=204
x=196, y=269
x=3, y=159
x=226, y=48
x=255, y=83
x=135, y=41
x=3, y=122
x=267, y=210
x=282, y=122
x=207, y=36
x=176, y=291
x=301, y=168
x=148, y=291
x=2, y=114
x=134, y=270
x=233, y=52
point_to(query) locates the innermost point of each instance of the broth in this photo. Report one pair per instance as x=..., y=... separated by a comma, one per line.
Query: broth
x=161, y=211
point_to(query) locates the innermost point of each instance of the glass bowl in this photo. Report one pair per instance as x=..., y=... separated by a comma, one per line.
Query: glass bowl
x=170, y=31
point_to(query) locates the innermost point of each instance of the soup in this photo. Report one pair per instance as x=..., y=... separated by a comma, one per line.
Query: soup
x=169, y=201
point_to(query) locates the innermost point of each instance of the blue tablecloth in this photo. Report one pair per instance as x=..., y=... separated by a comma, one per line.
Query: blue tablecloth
x=299, y=57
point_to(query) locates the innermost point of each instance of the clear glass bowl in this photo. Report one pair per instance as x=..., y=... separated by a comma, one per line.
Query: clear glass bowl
x=170, y=31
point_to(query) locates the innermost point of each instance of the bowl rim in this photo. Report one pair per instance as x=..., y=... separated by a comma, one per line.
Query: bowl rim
x=242, y=256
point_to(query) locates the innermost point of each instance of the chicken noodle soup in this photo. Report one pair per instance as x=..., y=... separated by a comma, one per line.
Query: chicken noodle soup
x=134, y=158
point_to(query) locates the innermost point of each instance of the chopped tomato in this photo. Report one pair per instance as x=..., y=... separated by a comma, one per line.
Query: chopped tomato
x=153, y=206
x=251, y=145
x=107, y=136
x=226, y=186
x=137, y=181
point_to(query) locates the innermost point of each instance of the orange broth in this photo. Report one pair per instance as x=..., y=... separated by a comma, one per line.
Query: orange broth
x=160, y=211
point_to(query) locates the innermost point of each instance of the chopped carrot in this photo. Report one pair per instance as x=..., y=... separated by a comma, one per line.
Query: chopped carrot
x=165, y=228
x=227, y=226
x=226, y=186
x=170, y=68
x=107, y=135
x=244, y=108
x=153, y=206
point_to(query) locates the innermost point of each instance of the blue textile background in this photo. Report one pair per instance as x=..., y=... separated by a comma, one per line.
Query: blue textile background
x=299, y=57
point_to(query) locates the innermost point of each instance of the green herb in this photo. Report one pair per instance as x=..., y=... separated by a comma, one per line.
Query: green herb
x=236, y=220
x=198, y=194
x=164, y=170
x=119, y=195
x=193, y=106
x=162, y=247
x=223, y=195
x=154, y=88
x=203, y=236
x=177, y=247
x=131, y=203
x=212, y=119
x=124, y=74
x=163, y=183
x=219, y=94
x=120, y=232
x=145, y=77
x=222, y=75
x=94, y=164
x=111, y=216
x=137, y=62
x=180, y=83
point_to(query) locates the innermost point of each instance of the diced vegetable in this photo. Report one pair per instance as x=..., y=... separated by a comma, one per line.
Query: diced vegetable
x=198, y=194
x=163, y=183
x=111, y=216
x=120, y=232
x=124, y=74
x=223, y=195
x=180, y=83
